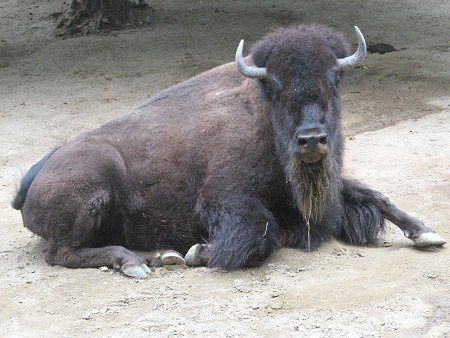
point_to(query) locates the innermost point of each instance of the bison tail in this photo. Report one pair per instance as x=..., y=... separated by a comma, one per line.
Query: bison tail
x=26, y=181
x=363, y=221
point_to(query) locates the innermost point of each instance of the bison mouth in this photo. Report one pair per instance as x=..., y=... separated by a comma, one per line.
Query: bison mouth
x=311, y=157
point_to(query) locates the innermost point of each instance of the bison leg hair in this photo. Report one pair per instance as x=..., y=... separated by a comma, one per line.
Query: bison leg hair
x=243, y=233
x=365, y=211
x=114, y=256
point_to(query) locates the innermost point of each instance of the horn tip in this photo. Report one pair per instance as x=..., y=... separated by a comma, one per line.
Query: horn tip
x=241, y=45
x=360, y=35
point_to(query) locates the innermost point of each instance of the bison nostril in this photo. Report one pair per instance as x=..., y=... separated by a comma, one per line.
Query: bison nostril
x=302, y=142
x=323, y=140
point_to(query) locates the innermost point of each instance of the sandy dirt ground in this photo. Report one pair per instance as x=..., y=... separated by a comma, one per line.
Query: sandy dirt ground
x=397, y=122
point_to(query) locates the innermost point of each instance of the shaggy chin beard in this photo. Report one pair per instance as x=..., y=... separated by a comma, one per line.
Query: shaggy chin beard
x=314, y=187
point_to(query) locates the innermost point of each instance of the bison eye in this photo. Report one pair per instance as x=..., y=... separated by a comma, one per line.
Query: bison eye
x=337, y=81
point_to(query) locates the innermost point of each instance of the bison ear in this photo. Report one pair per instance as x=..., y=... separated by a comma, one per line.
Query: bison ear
x=262, y=49
x=340, y=46
x=274, y=85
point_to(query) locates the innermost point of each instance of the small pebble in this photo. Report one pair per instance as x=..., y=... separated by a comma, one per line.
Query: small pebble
x=86, y=317
x=104, y=268
x=276, y=305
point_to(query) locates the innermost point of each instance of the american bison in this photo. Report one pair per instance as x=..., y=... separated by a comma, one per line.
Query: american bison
x=224, y=167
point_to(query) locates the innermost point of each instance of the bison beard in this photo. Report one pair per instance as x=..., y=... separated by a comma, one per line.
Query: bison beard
x=314, y=187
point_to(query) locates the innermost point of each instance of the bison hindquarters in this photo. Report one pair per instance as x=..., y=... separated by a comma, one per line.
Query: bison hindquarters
x=80, y=199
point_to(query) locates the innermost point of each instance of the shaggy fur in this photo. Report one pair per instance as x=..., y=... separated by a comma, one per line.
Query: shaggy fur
x=211, y=159
x=314, y=188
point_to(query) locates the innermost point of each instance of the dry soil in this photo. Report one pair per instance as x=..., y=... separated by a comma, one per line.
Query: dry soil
x=397, y=122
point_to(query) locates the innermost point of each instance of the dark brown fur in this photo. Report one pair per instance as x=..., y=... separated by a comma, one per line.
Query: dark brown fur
x=210, y=159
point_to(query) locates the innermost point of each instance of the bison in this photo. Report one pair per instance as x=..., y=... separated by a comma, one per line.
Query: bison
x=222, y=167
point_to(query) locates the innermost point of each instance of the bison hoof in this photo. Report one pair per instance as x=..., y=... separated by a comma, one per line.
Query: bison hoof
x=194, y=256
x=172, y=258
x=429, y=239
x=136, y=271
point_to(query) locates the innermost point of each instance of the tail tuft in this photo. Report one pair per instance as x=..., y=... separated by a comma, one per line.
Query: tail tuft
x=26, y=181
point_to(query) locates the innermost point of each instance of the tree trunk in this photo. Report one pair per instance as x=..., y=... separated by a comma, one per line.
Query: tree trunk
x=85, y=16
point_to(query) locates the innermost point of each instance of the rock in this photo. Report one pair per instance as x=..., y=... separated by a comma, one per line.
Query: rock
x=103, y=268
x=240, y=286
x=86, y=316
x=278, y=305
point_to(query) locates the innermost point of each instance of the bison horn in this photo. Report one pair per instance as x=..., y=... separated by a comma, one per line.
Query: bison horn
x=358, y=57
x=248, y=71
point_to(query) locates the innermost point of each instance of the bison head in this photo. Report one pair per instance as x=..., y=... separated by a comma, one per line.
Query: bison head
x=299, y=69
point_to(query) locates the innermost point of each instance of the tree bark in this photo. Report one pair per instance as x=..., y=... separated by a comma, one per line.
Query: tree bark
x=86, y=16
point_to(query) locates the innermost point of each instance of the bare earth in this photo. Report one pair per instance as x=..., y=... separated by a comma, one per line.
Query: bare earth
x=397, y=123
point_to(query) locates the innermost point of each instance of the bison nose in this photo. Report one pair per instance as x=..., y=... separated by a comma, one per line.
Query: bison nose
x=311, y=142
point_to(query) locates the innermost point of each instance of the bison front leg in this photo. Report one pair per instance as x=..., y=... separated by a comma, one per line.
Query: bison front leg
x=243, y=233
x=365, y=211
